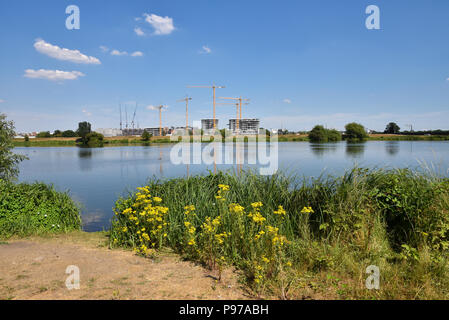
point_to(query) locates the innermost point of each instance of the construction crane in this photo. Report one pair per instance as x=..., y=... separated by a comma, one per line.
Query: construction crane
x=240, y=103
x=120, y=108
x=236, y=104
x=213, y=90
x=134, y=117
x=160, y=117
x=186, y=99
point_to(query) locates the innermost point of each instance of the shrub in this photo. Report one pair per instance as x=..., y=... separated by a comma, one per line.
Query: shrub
x=321, y=134
x=355, y=131
x=8, y=160
x=29, y=209
x=146, y=136
x=94, y=140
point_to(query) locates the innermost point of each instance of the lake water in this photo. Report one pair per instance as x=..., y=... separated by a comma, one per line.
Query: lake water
x=97, y=177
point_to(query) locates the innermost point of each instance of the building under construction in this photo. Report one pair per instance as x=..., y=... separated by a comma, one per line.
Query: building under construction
x=246, y=126
x=208, y=124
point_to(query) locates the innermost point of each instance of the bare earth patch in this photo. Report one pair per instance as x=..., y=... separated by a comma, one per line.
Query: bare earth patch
x=35, y=269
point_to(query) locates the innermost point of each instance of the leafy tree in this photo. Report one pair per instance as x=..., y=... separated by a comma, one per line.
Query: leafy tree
x=355, y=131
x=8, y=160
x=146, y=136
x=27, y=138
x=318, y=134
x=84, y=128
x=94, y=139
x=43, y=134
x=392, y=128
x=333, y=135
x=57, y=133
x=69, y=134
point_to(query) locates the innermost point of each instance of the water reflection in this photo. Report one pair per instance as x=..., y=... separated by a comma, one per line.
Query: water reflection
x=85, y=159
x=320, y=149
x=392, y=147
x=355, y=149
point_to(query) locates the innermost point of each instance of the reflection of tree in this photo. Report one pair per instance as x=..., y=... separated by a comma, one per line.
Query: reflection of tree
x=319, y=149
x=85, y=161
x=392, y=147
x=355, y=150
x=85, y=153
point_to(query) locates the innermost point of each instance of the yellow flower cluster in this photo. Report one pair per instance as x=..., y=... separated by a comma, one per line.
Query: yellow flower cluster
x=151, y=219
x=307, y=210
x=222, y=189
x=236, y=208
x=280, y=211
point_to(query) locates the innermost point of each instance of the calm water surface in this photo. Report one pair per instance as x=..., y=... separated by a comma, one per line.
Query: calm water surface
x=97, y=177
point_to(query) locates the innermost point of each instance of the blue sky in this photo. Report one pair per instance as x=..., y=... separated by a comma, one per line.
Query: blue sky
x=300, y=62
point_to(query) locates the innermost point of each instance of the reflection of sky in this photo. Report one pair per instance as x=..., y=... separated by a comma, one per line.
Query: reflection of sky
x=97, y=177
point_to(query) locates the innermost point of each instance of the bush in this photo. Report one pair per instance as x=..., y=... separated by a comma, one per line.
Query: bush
x=8, y=160
x=321, y=134
x=43, y=134
x=274, y=228
x=93, y=140
x=146, y=136
x=30, y=209
x=69, y=134
x=355, y=132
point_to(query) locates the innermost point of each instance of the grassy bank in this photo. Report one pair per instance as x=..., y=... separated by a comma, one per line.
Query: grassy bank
x=288, y=236
x=35, y=209
x=136, y=141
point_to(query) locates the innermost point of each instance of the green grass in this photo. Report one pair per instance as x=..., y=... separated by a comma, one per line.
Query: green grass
x=35, y=209
x=395, y=219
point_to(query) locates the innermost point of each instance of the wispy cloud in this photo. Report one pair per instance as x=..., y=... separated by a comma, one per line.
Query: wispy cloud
x=53, y=75
x=104, y=48
x=139, y=31
x=205, y=50
x=63, y=54
x=118, y=53
x=87, y=113
x=287, y=101
x=151, y=107
x=137, y=54
x=161, y=25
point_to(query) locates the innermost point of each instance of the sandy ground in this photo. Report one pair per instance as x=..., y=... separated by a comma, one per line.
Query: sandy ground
x=35, y=268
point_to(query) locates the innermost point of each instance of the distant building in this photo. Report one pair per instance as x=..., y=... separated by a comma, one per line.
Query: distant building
x=109, y=132
x=154, y=131
x=246, y=126
x=208, y=124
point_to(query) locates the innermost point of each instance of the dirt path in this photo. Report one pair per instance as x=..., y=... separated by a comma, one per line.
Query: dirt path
x=35, y=269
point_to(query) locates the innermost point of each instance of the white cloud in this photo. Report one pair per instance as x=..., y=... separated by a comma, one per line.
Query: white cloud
x=287, y=101
x=53, y=75
x=104, y=49
x=118, y=53
x=205, y=49
x=137, y=19
x=139, y=31
x=87, y=113
x=137, y=54
x=161, y=25
x=151, y=107
x=63, y=53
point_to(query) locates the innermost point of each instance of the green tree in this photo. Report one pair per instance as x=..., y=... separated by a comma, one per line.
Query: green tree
x=392, y=128
x=84, y=128
x=146, y=136
x=355, y=132
x=94, y=140
x=69, y=134
x=57, y=133
x=8, y=160
x=333, y=135
x=43, y=134
x=27, y=138
x=318, y=134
